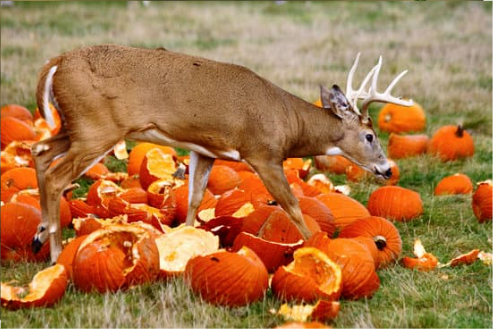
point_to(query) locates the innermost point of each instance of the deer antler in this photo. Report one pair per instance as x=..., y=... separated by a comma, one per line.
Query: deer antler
x=372, y=95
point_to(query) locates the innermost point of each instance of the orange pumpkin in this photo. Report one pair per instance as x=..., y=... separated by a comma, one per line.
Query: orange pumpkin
x=336, y=164
x=451, y=143
x=67, y=256
x=344, y=208
x=17, y=154
x=16, y=111
x=311, y=275
x=226, y=228
x=80, y=208
x=15, y=180
x=252, y=184
x=97, y=171
x=482, y=201
x=395, y=118
x=222, y=179
x=12, y=129
x=228, y=278
x=317, y=210
x=254, y=221
x=403, y=146
x=235, y=165
x=298, y=164
x=358, y=268
x=47, y=288
x=31, y=197
x=355, y=173
x=396, y=203
x=279, y=228
x=138, y=154
x=272, y=254
x=455, y=184
x=382, y=232
x=18, y=226
x=115, y=257
x=181, y=195
x=157, y=165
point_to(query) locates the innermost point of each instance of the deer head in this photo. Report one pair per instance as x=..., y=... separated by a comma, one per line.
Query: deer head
x=358, y=142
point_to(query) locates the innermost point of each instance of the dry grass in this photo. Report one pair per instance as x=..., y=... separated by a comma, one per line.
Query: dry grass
x=447, y=46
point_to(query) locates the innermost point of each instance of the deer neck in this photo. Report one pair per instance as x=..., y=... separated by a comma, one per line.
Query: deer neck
x=319, y=130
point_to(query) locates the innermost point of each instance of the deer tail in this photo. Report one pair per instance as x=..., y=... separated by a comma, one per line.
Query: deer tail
x=44, y=93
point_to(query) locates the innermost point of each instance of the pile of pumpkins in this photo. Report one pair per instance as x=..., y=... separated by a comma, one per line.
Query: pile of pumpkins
x=130, y=227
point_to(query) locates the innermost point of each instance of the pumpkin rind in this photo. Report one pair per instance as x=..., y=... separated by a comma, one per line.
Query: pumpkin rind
x=344, y=208
x=398, y=119
x=395, y=203
x=451, y=143
x=383, y=233
x=403, y=146
x=228, y=278
x=454, y=184
x=47, y=288
x=272, y=254
x=311, y=275
x=18, y=226
x=115, y=257
x=359, y=278
x=482, y=201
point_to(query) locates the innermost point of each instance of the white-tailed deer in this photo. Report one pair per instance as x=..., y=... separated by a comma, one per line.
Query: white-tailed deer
x=108, y=93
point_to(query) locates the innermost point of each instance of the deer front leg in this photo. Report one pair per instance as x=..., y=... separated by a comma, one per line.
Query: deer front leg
x=199, y=169
x=275, y=181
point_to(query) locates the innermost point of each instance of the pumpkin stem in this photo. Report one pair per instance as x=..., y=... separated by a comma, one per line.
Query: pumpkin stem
x=460, y=131
x=380, y=242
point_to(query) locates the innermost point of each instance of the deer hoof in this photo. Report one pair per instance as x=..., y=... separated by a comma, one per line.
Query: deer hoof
x=36, y=245
x=180, y=172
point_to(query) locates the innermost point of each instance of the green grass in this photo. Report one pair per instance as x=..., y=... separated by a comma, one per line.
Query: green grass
x=447, y=48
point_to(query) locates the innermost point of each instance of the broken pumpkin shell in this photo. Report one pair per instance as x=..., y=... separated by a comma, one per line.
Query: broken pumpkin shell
x=359, y=278
x=424, y=262
x=312, y=275
x=323, y=310
x=47, y=287
x=116, y=257
x=228, y=278
x=272, y=254
x=179, y=245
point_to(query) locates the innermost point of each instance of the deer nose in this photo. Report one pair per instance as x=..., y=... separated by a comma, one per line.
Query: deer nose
x=388, y=173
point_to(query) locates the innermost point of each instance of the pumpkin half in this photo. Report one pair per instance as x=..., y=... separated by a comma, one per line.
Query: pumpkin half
x=47, y=287
x=311, y=275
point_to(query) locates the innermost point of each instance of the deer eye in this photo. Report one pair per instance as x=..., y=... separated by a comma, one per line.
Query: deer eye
x=369, y=137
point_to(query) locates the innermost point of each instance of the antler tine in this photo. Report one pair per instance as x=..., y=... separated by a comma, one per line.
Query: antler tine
x=385, y=97
x=353, y=95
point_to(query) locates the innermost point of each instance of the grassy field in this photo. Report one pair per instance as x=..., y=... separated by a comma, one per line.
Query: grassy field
x=447, y=47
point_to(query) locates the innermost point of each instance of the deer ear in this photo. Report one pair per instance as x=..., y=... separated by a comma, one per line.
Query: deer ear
x=335, y=100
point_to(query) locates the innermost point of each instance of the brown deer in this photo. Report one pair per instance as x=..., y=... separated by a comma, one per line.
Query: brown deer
x=107, y=93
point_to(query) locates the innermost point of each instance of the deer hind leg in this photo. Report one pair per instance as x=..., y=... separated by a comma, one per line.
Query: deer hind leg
x=80, y=157
x=275, y=181
x=43, y=153
x=199, y=169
